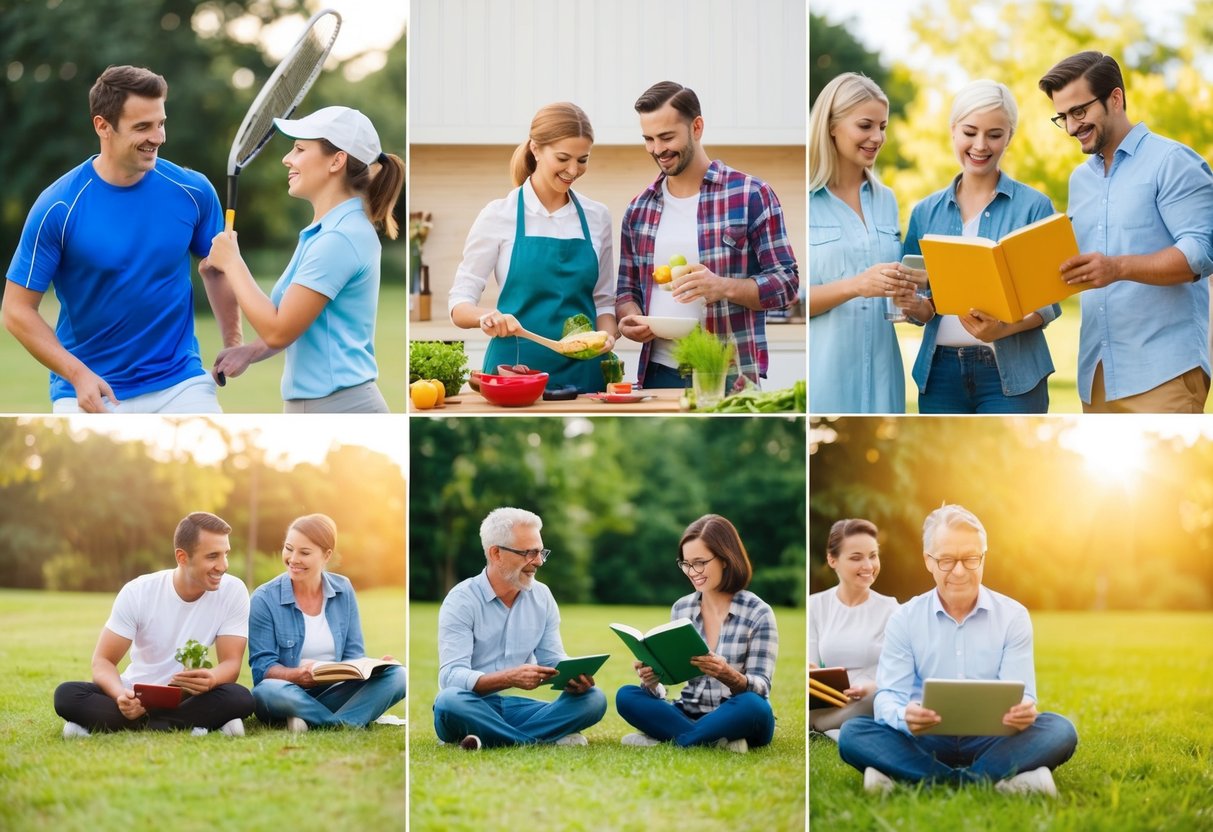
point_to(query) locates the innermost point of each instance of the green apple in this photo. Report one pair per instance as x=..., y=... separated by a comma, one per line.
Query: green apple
x=678, y=260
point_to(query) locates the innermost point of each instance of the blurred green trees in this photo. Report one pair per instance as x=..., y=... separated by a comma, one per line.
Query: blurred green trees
x=615, y=495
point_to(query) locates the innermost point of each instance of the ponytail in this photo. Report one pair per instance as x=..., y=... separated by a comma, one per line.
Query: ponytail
x=523, y=163
x=383, y=192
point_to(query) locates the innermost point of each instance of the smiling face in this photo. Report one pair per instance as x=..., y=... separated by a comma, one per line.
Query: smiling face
x=1095, y=128
x=518, y=570
x=303, y=558
x=670, y=139
x=132, y=146
x=559, y=164
x=857, y=562
x=859, y=135
x=697, y=554
x=308, y=168
x=204, y=568
x=980, y=139
x=958, y=588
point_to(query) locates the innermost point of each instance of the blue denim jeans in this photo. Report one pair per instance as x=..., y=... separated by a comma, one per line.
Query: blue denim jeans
x=966, y=380
x=352, y=703
x=745, y=716
x=937, y=759
x=658, y=376
x=514, y=720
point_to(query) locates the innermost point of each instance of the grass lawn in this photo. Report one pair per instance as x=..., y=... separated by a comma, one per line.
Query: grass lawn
x=1139, y=689
x=257, y=391
x=143, y=781
x=1062, y=336
x=606, y=785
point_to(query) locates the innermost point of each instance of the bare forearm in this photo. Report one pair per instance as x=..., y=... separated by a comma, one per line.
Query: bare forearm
x=287, y=674
x=105, y=676
x=468, y=315
x=40, y=341
x=224, y=304
x=1167, y=267
x=493, y=682
x=744, y=293
x=626, y=308
x=823, y=298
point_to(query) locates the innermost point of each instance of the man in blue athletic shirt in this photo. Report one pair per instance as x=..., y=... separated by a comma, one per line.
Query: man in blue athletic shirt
x=114, y=236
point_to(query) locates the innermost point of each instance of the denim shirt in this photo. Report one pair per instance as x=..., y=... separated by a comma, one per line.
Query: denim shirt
x=1023, y=358
x=1159, y=194
x=854, y=360
x=276, y=628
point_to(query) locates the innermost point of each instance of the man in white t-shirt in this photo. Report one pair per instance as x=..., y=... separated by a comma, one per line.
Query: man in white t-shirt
x=153, y=616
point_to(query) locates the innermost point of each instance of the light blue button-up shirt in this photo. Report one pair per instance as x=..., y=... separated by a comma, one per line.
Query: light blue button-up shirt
x=854, y=361
x=1159, y=194
x=479, y=634
x=921, y=641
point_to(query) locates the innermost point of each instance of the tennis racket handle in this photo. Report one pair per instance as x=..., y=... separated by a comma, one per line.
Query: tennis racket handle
x=229, y=219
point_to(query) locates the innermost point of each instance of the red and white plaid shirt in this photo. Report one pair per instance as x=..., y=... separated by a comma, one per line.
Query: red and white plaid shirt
x=741, y=235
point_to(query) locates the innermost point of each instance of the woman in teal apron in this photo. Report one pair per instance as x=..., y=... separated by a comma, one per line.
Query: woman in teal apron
x=554, y=249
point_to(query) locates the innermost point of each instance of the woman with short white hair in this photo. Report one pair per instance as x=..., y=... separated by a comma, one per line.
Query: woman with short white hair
x=976, y=363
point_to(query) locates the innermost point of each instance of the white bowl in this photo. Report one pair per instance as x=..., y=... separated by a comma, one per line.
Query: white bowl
x=669, y=328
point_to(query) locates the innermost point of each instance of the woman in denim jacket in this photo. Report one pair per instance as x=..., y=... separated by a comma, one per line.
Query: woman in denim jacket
x=975, y=363
x=303, y=616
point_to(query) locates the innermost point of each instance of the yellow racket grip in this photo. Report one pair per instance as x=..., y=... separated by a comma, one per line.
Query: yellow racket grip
x=229, y=219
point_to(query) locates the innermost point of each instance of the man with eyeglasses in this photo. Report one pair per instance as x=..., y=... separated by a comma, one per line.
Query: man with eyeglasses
x=1142, y=208
x=501, y=630
x=958, y=630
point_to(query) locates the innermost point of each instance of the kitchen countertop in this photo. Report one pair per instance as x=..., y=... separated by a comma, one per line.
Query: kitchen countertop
x=467, y=403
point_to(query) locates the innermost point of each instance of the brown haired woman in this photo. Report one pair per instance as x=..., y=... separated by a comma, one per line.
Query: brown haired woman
x=729, y=705
x=550, y=251
x=846, y=622
x=322, y=310
x=303, y=616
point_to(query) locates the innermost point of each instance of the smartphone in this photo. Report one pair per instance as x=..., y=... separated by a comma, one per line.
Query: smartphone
x=913, y=261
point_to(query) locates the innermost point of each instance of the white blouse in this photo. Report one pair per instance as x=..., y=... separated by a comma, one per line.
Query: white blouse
x=850, y=637
x=490, y=244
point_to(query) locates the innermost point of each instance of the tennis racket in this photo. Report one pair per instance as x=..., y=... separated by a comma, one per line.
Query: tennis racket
x=279, y=97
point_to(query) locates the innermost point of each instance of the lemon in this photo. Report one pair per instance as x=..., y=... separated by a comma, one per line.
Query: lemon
x=441, y=388
x=424, y=394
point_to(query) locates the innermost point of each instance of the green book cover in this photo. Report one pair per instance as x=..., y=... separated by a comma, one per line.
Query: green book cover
x=667, y=648
x=574, y=666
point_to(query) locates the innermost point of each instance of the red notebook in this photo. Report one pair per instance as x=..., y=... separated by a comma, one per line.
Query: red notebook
x=158, y=696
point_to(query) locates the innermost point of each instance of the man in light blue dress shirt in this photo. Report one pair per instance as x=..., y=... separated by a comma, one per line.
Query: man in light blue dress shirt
x=1142, y=208
x=501, y=630
x=959, y=630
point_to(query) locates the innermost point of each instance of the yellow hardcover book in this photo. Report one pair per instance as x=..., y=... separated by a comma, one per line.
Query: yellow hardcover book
x=1008, y=279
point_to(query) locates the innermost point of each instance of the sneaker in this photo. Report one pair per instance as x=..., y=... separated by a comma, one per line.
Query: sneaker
x=639, y=739
x=833, y=734
x=470, y=743
x=572, y=739
x=1036, y=781
x=71, y=731
x=737, y=746
x=876, y=781
x=233, y=728
x=198, y=732
x=295, y=725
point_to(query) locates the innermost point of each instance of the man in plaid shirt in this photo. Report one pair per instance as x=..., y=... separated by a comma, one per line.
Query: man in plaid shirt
x=727, y=224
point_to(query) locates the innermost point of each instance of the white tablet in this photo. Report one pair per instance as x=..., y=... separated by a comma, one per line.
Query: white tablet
x=971, y=707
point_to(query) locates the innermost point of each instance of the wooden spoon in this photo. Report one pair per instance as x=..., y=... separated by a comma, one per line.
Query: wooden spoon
x=568, y=344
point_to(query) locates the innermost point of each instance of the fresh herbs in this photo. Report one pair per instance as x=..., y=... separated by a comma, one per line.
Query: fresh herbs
x=446, y=362
x=193, y=655
x=704, y=352
x=790, y=399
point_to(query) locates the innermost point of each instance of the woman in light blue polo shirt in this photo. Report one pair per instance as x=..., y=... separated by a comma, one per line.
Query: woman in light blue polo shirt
x=975, y=363
x=305, y=615
x=854, y=245
x=322, y=310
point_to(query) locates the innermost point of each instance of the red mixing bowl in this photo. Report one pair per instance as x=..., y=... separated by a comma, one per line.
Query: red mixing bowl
x=513, y=391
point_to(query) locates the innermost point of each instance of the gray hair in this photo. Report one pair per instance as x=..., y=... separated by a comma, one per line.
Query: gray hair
x=982, y=95
x=949, y=517
x=498, y=528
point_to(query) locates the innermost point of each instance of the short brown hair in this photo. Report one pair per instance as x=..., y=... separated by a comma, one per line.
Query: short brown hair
x=116, y=84
x=1101, y=71
x=723, y=541
x=842, y=529
x=318, y=528
x=683, y=99
x=191, y=527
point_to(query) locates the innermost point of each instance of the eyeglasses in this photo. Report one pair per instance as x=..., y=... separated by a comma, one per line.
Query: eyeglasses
x=696, y=566
x=1075, y=113
x=948, y=564
x=530, y=554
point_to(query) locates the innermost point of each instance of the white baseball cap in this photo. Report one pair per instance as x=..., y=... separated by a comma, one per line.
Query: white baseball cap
x=347, y=129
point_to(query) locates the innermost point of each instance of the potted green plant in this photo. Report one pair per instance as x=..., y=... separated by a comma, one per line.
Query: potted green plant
x=709, y=359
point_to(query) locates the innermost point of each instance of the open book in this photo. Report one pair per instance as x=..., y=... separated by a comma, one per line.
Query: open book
x=1008, y=279
x=574, y=666
x=667, y=648
x=349, y=669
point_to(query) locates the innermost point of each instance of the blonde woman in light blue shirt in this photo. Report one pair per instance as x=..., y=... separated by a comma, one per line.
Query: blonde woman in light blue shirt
x=854, y=245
